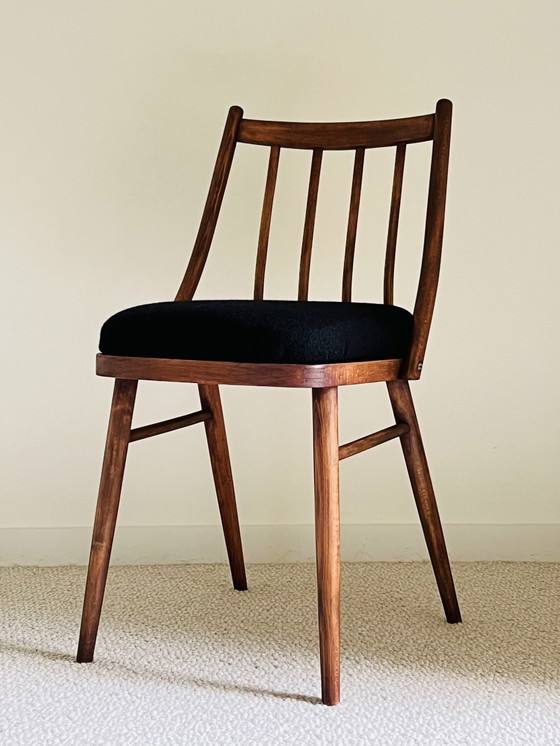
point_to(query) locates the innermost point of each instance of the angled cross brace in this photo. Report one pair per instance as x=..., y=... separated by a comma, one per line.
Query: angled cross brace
x=370, y=441
x=165, y=426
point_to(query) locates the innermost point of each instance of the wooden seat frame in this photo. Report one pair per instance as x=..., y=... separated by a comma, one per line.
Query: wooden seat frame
x=323, y=380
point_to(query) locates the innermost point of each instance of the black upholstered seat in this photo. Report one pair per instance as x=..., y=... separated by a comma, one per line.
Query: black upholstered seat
x=261, y=331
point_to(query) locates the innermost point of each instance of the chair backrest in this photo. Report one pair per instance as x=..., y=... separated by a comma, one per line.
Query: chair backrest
x=356, y=136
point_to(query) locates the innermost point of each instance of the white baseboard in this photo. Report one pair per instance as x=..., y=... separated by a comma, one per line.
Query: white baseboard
x=144, y=545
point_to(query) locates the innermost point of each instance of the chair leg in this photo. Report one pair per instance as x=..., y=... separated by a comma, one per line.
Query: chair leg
x=223, y=480
x=106, y=514
x=415, y=457
x=327, y=537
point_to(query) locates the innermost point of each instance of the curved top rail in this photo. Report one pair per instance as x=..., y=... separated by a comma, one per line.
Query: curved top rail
x=337, y=135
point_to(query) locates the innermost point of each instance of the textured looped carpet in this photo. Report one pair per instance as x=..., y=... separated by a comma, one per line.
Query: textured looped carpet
x=183, y=659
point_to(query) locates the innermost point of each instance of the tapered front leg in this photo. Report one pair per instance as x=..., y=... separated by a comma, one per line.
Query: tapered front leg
x=327, y=537
x=106, y=514
x=223, y=480
x=417, y=465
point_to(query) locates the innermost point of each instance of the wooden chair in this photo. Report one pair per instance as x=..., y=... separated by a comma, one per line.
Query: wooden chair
x=301, y=343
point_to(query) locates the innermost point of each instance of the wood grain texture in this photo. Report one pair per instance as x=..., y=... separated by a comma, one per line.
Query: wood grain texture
x=322, y=379
x=248, y=374
x=309, y=225
x=352, y=228
x=337, y=135
x=223, y=481
x=391, y=249
x=110, y=486
x=417, y=465
x=370, y=441
x=433, y=239
x=166, y=426
x=266, y=217
x=327, y=537
x=212, y=207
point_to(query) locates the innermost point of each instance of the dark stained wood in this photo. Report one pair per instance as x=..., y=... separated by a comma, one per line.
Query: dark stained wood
x=322, y=379
x=223, y=480
x=352, y=225
x=413, y=449
x=106, y=514
x=389, y=275
x=309, y=225
x=431, y=256
x=370, y=441
x=266, y=216
x=212, y=206
x=166, y=426
x=327, y=537
x=248, y=374
x=339, y=135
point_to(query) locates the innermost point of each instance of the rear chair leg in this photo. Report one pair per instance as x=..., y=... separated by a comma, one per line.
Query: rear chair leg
x=403, y=407
x=116, y=448
x=327, y=537
x=223, y=480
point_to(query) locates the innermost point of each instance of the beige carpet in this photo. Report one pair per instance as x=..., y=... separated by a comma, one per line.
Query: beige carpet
x=183, y=659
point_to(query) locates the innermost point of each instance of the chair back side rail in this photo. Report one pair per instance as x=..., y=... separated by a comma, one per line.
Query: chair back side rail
x=212, y=206
x=433, y=239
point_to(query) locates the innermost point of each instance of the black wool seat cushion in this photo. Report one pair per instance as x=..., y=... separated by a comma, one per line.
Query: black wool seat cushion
x=260, y=331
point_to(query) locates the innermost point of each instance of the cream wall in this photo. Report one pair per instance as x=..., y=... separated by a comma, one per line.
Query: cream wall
x=111, y=114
